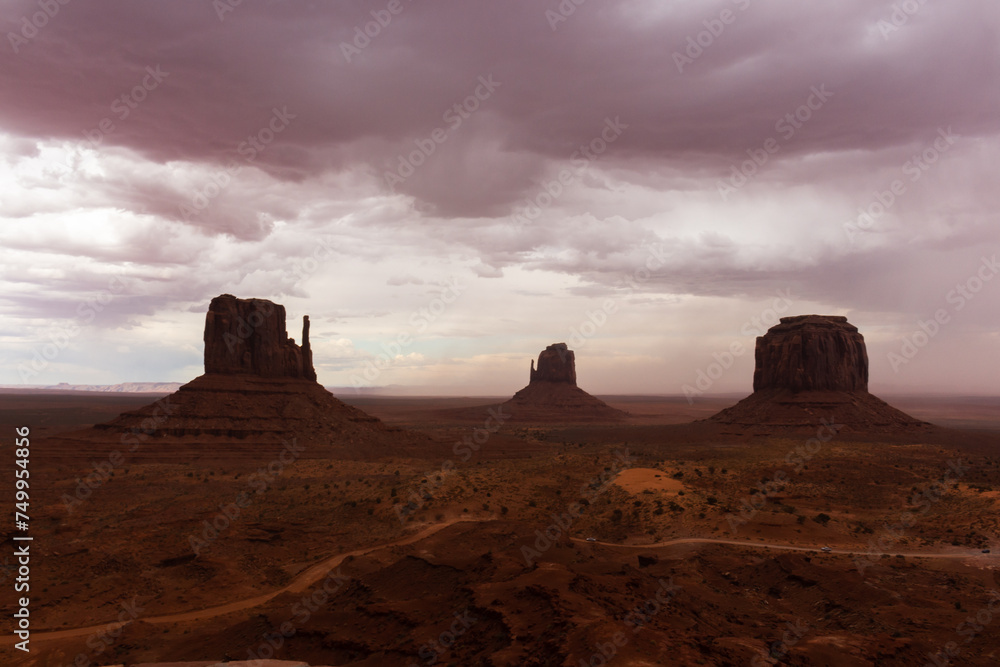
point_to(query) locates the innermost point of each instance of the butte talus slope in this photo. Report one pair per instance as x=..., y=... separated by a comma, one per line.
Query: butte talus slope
x=552, y=394
x=259, y=387
x=811, y=368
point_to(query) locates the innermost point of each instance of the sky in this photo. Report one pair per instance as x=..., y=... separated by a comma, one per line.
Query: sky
x=447, y=187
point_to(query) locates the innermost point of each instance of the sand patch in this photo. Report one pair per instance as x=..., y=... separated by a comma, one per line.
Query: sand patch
x=637, y=480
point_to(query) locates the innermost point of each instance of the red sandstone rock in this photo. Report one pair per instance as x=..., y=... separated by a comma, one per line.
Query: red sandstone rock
x=259, y=388
x=556, y=363
x=247, y=336
x=813, y=370
x=552, y=394
x=811, y=353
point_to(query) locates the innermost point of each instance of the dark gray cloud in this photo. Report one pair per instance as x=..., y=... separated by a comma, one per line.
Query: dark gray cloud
x=252, y=152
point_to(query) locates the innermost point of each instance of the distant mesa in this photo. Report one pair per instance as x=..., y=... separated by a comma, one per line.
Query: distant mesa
x=259, y=386
x=552, y=394
x=556, y=363
x=813, y=367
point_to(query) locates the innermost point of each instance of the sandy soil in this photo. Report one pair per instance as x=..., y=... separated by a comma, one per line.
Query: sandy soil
x=740, y=548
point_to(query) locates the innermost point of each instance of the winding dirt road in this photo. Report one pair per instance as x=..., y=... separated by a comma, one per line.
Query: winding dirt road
x=311, y=575
x=860, y=551
x=300, y=583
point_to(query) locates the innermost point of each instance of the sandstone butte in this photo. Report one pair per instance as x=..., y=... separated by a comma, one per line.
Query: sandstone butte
x=810, y=368
x=552, y=394
x=259, y=387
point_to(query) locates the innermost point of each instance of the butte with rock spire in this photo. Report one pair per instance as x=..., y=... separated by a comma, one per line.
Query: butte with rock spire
x=552, y=394
x=259, y=388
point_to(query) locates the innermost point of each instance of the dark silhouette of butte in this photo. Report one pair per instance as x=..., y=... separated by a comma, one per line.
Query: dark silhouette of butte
x=552, y=394
x=811, y=368
x=259, y=386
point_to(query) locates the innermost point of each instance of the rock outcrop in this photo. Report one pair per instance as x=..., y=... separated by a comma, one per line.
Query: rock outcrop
x=248, y=336
x=259, y=388
x=811, y=370
x=552, y=394
x=811, y=353
x=556, y=363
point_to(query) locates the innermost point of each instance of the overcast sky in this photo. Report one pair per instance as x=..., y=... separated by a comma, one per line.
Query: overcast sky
x=484, y=178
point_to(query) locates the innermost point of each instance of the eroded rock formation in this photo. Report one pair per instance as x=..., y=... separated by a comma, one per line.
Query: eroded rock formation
x=812, y=370
x=259, y=388
x=811, y=353
x=552, y=394
x=247, y=336
x=556, y=363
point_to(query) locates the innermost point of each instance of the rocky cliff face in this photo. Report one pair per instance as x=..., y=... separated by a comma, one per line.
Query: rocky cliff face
x=556, y=363
x=811, y=353
x=248, y=336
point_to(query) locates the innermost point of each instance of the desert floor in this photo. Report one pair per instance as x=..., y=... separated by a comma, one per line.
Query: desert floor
x=705, y=542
